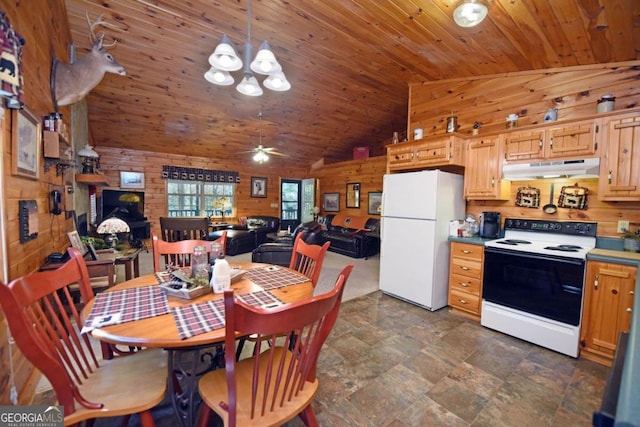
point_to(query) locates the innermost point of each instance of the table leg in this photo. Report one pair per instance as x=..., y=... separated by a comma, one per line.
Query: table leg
x=127, y=269
x=136, y=267
x=183, y=378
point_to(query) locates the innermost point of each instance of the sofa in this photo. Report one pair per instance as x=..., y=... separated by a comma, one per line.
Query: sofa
x=243, y=238
x=352, y=235
x=279, y=252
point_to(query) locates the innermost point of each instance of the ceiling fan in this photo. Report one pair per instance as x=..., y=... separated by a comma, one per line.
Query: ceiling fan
x=261, y=153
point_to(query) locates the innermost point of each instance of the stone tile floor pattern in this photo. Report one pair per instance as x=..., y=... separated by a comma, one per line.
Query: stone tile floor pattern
x=389, y=363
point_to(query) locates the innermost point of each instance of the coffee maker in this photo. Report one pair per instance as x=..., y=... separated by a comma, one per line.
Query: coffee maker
x=490, y=225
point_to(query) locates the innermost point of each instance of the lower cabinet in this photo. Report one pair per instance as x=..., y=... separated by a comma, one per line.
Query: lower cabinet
x=465, y=278
x=608, y=305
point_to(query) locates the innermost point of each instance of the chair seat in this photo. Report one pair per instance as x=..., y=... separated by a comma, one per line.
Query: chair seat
x=146, y=372
x=213, y=389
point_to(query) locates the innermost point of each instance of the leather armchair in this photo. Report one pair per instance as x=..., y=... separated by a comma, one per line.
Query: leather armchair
x=347, y=238
x=279, y=252
x=245, y=238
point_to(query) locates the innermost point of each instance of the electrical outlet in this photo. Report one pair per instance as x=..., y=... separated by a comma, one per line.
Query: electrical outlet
x=623, y=226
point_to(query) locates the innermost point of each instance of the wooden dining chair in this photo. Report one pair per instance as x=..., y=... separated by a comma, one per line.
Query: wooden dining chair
x=306, y=259
x=174, y=229
x=272, y=387
x=45, y=325
x=179, y=253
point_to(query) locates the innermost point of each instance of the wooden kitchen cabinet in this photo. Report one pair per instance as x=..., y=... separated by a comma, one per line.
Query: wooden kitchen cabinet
x=608, y=304
x=619, y=173
x=483, y=171
x=423, y=154
x=465, y=278
x=574, y=140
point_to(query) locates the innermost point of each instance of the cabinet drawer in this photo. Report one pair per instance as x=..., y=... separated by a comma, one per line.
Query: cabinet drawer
x=467, y=250
x=466, y=267
x=464, y=301
x=461, y=283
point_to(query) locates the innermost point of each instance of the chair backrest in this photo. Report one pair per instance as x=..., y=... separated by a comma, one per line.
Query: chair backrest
x=279, y=375
x=45, y=324
x=179, y=253
x=307, y=258
x=184, y=228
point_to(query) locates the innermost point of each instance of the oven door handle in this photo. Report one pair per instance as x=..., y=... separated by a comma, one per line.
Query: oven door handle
x=538, y=257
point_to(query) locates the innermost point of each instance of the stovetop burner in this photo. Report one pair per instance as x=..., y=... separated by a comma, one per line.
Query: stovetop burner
x=513, y=242
x=564, y=248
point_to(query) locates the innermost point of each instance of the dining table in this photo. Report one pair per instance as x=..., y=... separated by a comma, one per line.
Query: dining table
x=139, y=313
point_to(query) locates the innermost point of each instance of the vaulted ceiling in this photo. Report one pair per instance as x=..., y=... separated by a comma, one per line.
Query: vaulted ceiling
x=349, y=64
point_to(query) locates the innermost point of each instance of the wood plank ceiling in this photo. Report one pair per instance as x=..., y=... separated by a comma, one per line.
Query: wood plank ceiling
x=349, y=63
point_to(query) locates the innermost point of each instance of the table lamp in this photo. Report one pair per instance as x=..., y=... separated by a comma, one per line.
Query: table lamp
x=113, y=226
x=222, y=203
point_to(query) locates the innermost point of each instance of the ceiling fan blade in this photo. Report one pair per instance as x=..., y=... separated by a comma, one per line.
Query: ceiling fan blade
x=276, y=153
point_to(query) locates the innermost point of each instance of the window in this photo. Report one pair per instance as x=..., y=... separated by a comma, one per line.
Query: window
x=197, y=198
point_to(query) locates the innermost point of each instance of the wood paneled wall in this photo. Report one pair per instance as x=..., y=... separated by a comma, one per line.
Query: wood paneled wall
x=43, y=25
x=113, y=161
x=606, y=214
x=333, y=178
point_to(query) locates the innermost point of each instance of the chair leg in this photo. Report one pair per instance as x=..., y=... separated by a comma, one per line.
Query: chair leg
x=146, y=419
x=205, y=414
x=308, y=417
x=240, y=347
x=125, y=420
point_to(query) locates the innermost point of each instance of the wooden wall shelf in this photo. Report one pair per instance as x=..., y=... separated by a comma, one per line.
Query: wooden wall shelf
x=92, y=179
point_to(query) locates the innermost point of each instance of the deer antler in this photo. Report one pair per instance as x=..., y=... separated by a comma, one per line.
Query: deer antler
x=99, y=39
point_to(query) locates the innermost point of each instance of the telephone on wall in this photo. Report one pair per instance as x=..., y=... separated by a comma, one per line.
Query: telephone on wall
x=55, y=202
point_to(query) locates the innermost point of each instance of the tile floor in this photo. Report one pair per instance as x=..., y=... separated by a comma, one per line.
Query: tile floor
x=388, y=363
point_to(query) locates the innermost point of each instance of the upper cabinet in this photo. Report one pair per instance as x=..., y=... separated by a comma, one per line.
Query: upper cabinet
x=483, y=171
x=619, y=175
x=570, y=140
x=423, y=154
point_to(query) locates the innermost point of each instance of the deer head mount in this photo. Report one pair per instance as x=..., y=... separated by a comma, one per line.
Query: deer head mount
x=70, y=83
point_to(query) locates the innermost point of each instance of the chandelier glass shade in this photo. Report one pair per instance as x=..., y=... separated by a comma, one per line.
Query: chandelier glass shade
x=470, y=13
x=225, y=59
x=260, y=157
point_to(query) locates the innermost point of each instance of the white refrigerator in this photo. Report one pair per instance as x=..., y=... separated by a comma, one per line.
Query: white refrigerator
x=414, y=254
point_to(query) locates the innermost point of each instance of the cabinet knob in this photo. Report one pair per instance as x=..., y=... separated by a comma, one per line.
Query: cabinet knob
x=466, y=251
x=609, y=176
x=463, y=301
x=629, y=310
x=464, y=268
x=551, y=143
x=463, y=284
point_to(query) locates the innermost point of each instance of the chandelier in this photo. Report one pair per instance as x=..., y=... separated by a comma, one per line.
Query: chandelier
x=225, y=59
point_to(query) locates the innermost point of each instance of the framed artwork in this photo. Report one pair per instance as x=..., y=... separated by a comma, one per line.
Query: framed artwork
x=375, y=203
x=353, y=195
x=131, y=179
x=26, y=135
x=331, y=202
x=77, y=242
x=258, y=187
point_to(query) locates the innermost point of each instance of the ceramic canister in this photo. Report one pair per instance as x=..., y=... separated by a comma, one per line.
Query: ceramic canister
x=551, y=115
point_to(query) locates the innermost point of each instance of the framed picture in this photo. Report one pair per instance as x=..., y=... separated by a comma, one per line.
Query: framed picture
x=25, y=144
x=77, y=242
x=131, y=179
x=331, y=202
x=353, y=195
x=258, y=187
x=375, y=203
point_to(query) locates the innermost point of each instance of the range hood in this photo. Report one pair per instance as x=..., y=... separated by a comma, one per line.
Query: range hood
x=585, y=168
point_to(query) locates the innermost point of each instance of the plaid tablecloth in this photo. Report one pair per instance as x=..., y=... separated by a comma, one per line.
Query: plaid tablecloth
x=127, y=305
x=196, y=319
x=274, y=277
x=208, y=316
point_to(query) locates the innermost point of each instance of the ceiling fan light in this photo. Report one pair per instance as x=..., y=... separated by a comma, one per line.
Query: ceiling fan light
x=219, y=77
x=265, y=61
x=249, y=86
x=260, y=157
x=225, y=57
x=277, y=82
x=470, y=13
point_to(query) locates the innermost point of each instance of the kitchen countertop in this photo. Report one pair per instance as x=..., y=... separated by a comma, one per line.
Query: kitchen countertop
x=475, y=240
